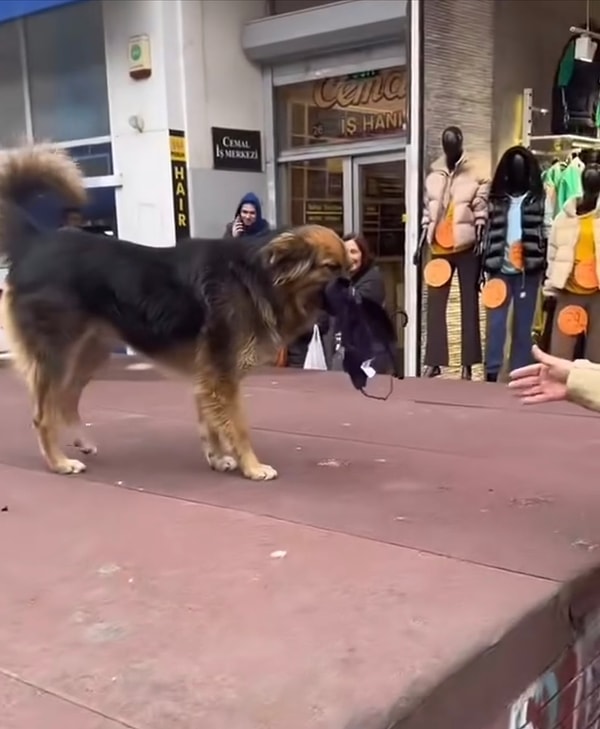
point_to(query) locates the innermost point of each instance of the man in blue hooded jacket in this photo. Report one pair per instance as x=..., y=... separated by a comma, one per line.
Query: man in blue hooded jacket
x=248, y=221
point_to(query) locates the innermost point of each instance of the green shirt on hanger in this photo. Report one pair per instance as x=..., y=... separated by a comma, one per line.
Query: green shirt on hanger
x=569, y=185
x=551, y=180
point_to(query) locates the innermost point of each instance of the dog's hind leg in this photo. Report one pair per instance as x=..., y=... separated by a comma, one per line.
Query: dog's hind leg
x=90, y=353
x=219, y=403
x=41, y=337
x=47, y=419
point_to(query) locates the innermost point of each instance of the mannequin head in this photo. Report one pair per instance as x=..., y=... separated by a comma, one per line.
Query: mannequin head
x=452, y=144
x=590, y=181
x=517, y=174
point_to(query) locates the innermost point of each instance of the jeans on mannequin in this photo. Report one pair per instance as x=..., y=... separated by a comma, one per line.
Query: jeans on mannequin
x=522, y=291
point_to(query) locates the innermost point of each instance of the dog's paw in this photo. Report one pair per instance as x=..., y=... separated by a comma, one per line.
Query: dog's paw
x=261, y=472
x=221, y=463
x=85, y=446
x=69, y=466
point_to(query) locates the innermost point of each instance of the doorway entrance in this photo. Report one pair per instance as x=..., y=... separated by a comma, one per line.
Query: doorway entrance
x=364, y=194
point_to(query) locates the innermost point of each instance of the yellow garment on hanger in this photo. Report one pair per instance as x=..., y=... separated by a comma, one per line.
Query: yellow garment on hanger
x=443, y=241
x=585, y=259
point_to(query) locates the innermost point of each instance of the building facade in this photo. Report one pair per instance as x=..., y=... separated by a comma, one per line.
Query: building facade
x=329, y=112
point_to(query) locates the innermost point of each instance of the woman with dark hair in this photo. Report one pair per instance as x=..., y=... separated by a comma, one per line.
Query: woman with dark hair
x=368, y=282
x=366, y=277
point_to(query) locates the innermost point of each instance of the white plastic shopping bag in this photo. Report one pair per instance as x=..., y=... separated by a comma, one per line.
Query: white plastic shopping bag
x=315, y=354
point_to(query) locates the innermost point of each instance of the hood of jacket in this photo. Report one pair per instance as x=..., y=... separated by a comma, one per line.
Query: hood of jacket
x=260, y=224
x=463, y=165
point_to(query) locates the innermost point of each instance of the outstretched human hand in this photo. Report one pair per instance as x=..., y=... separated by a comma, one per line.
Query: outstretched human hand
x=544, y=381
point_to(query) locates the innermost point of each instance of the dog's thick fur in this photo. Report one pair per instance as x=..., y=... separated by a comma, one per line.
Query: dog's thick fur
x=207, y=309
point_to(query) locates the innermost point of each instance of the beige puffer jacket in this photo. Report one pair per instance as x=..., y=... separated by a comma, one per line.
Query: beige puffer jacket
x=467, y=189
x=561, y=247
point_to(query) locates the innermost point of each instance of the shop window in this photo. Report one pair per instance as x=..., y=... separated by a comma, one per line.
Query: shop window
x=67, y=72
x=341, y=109
x=315, y=193
x=12, y=90
x=382, y=207
x=95, y=160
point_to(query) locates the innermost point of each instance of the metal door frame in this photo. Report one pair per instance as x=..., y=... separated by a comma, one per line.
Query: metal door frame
x=410, y=298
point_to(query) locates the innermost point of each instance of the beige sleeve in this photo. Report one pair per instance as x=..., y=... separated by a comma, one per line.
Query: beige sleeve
x=550, y=257
x=426, y=217
x=583, y=384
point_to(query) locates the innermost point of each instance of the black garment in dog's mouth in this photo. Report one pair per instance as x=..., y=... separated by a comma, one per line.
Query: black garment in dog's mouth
x=363, y=325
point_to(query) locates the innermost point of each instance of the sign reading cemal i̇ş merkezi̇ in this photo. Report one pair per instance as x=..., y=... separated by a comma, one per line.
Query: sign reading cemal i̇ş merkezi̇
x=236, y=150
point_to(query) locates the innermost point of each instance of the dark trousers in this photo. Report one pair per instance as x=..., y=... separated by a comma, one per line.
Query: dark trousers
x=562, y=345
x=467, y=264
x=523, y=292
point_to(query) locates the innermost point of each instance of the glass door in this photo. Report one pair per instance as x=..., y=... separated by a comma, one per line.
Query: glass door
x=379, y=213
x=316, y=191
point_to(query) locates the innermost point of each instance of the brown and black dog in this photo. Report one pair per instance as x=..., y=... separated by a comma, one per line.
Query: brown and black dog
x=205, y=309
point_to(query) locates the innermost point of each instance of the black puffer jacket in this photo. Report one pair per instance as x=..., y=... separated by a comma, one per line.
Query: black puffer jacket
x=532, y=217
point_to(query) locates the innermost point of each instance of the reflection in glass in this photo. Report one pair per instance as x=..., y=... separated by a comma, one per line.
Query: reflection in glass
x=12, y=108
x=95, y=160
x=314, y=194
x=382, y=221
x=67, y=72
x=341, y=109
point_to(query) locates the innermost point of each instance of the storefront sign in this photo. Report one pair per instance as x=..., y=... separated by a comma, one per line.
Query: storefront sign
x=375, y=103
x=236, y=150
x=330, y=214
x=179, y=180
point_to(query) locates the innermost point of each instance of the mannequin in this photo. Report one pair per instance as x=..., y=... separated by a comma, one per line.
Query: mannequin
x=573, y=272
x=513, y=257
x=454, y=218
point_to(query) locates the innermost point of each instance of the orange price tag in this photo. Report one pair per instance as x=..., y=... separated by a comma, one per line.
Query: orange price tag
x=572, y=320
x=494, y=293
x=585, y=275
x=437, y=272
x=515, y=255
x=444, y=235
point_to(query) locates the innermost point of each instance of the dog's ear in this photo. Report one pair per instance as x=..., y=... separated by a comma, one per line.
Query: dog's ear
x=289, y=257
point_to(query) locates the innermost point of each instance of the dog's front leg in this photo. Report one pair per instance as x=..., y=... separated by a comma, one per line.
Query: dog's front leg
x=220, y=405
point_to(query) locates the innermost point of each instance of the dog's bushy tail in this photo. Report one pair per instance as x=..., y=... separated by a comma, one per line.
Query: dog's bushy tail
x=32, y=169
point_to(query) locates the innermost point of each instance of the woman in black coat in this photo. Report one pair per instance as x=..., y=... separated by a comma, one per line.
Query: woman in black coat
x=368, y=282
x=366, y=277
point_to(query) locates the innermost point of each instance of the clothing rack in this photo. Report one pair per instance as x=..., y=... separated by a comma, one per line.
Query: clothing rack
x=557, y=144
x=548, y=144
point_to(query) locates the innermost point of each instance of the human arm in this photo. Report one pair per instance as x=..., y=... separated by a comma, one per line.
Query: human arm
x=371, y=286
x=234, y=229
x=553, y=379
x=583, y=384
x=480, y=204
x=426, y=216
